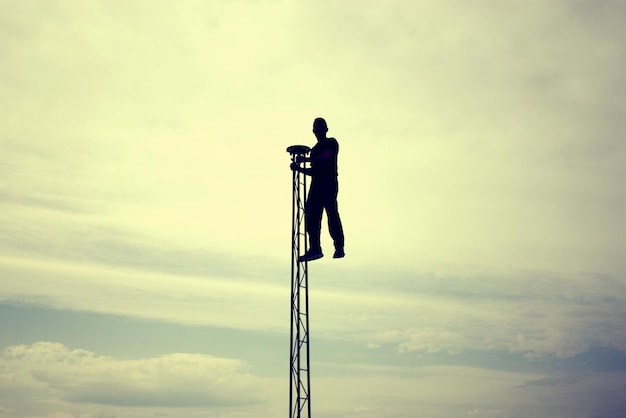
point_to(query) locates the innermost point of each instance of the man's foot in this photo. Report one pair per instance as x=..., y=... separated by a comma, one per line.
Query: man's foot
x=310, y=256
x=339, y=253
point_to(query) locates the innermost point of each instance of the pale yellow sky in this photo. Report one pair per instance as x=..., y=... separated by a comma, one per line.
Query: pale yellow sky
x=145, y=178
x=454, y=147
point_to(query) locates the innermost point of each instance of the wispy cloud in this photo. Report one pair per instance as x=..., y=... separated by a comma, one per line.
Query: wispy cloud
x=216, y=301
x=459, y=316
x=581, y=394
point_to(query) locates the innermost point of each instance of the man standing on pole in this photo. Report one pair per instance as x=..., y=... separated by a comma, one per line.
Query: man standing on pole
x=323, y=192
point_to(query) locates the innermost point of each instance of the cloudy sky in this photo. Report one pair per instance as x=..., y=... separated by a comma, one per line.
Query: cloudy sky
x=145, y=199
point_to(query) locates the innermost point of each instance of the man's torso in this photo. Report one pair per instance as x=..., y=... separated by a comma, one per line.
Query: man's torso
x=326, y=169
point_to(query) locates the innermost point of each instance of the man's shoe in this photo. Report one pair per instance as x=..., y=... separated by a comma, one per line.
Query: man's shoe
x=310, y=256
x=339, y=253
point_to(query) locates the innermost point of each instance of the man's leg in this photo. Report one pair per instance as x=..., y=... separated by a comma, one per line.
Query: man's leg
x=335, y=228
x=334, y=221
x=313, y=208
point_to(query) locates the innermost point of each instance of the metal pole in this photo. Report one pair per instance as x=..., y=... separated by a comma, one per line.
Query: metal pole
x=300, y=380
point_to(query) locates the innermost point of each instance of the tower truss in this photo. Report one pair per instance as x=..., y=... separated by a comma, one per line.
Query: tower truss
x=299, y=364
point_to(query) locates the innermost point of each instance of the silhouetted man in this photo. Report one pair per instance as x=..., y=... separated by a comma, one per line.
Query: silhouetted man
x=323, y=192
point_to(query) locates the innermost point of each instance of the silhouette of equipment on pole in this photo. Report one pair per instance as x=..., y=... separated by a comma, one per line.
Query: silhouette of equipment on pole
x=299, y=363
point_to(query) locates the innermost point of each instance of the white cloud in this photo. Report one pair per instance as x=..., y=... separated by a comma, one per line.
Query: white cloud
x=56, y=373
x=46, y=377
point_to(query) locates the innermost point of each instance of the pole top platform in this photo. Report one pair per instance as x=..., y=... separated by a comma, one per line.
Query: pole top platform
x=298, y=149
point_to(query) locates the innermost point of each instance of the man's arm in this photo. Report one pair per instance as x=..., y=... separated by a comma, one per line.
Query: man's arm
x=296, y=167
x=331, y=149
x=325, y=156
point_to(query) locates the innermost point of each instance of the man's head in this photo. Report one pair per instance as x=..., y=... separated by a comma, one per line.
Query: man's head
x=320, y=128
